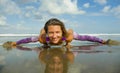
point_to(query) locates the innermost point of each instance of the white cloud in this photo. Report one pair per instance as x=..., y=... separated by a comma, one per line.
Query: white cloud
x=34, y=13
x=101, y=2
x=19, y=26
x=116, y=11
x=30, y=7
x=61, y=7
x=9, y=7
x=25, y=1
x=106, y=9
x=28, y=14
x=96, y=14
x=3, y=21
x=86, y=5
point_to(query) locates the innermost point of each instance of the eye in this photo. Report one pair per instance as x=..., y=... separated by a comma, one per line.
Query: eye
x=57, y=32
x=50, y=33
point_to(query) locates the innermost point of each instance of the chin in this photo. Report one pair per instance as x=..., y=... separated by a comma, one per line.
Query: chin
x=55, y=43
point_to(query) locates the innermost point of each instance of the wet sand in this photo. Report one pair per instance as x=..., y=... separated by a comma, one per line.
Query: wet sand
x=85, y=58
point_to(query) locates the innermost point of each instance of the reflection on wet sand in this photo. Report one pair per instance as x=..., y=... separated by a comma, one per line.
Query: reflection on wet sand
x=56, y=59
x=89, y=49
x=61, y=59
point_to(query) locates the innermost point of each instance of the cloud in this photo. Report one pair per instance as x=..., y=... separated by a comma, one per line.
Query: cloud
x=5, y=26
x=95, y=14
x=3, y=21
x=61, y=7
x=86, y=5
x=33, y=13
x=101, y=2
x=116, y=11
x=9, y=7
x=106, y=9
x=25, y=1
x=20, y=27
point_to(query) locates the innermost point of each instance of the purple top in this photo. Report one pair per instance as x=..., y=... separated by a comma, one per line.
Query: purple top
x=87, y=38
x=27, y=40
x=48, y=39
x=76, y=37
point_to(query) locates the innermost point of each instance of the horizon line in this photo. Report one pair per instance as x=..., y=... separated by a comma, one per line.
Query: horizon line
x=94, y=34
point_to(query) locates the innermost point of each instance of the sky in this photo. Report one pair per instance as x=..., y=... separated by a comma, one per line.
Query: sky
x=83, y=16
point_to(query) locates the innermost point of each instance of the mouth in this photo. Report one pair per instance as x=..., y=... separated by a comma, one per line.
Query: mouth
x=55, y=41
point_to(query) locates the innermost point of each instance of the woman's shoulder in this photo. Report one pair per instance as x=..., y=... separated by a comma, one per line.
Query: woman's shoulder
x=69, y=37
x=70, y=31
x=42, y=38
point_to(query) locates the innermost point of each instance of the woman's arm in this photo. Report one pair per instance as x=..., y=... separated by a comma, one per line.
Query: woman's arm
x=26, y=40
x=88, y=38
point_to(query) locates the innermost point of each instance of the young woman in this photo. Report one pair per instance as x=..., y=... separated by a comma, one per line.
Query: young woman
x=55, y=33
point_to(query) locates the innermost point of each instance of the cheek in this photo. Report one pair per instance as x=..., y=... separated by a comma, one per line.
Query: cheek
x=50, y=35
x=60, y=34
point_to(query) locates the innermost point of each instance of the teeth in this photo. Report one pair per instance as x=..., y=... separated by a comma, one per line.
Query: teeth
x=54, y=39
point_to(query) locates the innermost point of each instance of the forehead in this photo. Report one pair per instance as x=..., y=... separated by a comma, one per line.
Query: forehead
x=54, y=27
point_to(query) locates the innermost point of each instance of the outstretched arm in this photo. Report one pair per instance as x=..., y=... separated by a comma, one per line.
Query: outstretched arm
x=41, y=38
x=88, y=38
x=25, y=40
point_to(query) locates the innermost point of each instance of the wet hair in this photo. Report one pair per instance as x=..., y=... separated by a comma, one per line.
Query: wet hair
x=54, y=21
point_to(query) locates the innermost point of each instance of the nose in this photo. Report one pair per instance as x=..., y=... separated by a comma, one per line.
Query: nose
x=54, y=35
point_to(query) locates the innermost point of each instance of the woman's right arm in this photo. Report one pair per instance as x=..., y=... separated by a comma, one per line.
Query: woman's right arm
x=41, y=38
x=26, y=40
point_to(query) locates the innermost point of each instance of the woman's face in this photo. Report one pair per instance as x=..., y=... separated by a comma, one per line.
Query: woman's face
x=54, y=33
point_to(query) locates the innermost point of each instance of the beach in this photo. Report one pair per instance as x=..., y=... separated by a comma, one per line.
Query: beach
x=83, y=57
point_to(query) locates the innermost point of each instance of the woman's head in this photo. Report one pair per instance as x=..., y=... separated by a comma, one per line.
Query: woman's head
x=55, y=30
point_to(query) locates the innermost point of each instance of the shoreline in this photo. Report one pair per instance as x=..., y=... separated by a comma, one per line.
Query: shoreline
x=116, y=34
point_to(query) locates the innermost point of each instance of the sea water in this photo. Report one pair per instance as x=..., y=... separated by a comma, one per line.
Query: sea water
x=83, y=57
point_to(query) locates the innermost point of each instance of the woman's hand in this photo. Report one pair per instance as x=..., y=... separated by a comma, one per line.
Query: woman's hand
x=68, y=46
x=13, y=44
x=9, y=44
x=111, y=42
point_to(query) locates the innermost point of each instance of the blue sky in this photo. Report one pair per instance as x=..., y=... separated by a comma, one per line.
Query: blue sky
x=83, y=16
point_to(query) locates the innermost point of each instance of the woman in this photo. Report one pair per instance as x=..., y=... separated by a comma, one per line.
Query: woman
x=55, y=33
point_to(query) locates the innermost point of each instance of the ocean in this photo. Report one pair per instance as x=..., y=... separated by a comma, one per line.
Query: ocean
x=82, y=57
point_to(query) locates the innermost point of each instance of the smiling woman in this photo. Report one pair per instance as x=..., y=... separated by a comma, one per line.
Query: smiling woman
x=55, y=33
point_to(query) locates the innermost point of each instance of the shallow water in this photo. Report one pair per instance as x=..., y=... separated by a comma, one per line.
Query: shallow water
x=84, y=57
